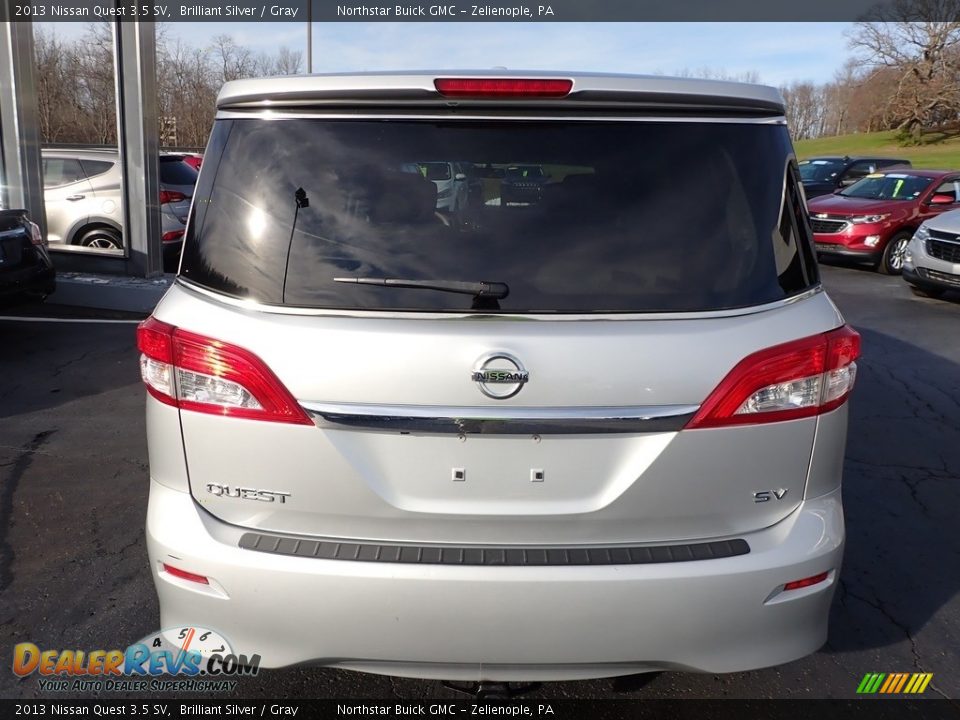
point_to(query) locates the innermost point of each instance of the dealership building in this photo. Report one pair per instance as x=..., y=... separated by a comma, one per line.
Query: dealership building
x=130, y=277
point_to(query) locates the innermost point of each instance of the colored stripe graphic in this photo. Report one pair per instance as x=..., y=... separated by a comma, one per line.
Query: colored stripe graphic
x=903, y=680
x=894, y=683
x=865, y=683
x=890, y=680
x=915, y=681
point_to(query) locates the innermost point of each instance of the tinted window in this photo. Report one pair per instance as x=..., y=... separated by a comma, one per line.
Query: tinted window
x=435, y=171
x=632, y=217
x=819, y=170
x=95, y=167
x=61, y=171
x=176, y=172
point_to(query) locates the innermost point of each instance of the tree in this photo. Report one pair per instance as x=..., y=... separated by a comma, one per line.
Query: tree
x=916, y=44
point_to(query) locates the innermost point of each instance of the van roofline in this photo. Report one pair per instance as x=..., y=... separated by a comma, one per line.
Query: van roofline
x=416, y=89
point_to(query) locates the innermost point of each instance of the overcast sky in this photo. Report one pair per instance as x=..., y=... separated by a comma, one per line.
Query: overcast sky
x=777, y=52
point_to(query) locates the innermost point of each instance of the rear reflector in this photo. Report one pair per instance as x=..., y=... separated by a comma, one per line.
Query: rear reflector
x=184, y=575
x=198, y=373
x=502, y=87
x=798, y=379
x=806, y=582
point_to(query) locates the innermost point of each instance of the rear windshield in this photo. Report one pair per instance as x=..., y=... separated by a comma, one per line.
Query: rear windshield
x=174, y=171
x=632, y=217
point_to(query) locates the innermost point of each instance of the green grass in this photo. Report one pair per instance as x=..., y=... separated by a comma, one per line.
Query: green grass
x=937, y=152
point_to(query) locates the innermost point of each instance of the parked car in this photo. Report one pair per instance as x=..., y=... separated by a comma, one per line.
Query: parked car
x=931, y=263
x=598, y=437
x=451, y=181
x=522, y=185
x=83, y=195
x=874, y=219
x=194, y=160
x=26, y=271
x=824, y=175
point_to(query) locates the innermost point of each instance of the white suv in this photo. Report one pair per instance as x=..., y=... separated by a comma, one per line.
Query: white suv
x=592, y=435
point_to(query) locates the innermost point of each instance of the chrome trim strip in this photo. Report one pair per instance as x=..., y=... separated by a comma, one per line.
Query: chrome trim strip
x=255, y=306
x=486, y=420
x=445, y=114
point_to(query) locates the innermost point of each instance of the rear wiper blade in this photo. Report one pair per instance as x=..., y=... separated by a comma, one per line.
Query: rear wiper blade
x=486, y=290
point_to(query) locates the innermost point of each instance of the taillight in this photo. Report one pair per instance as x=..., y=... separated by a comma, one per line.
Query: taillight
x=36, y=237
x=172, y=236
x=170, y=196
x=197, y=373
x=798, y=379
x=503, y=87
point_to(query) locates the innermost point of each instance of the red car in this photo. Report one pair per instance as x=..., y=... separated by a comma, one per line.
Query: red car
x=874, y=219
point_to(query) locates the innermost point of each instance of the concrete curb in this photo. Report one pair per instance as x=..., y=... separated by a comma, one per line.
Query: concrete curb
x=110, y=292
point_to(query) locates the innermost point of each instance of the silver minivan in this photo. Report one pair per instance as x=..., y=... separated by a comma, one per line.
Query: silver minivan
x=597, y=434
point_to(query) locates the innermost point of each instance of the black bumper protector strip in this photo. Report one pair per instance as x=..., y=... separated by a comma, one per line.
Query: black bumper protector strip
x=499, y=556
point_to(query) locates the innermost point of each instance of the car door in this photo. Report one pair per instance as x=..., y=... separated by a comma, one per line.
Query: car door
x=66, y=192
x=105, y=181
x=948, y=187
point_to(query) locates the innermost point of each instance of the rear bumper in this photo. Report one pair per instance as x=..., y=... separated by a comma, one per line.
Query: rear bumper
x=28, y=281
x=502, y=623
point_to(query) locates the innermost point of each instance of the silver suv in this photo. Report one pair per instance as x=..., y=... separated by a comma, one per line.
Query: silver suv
x=597, y=434
x=931, y=263
x=83, y=195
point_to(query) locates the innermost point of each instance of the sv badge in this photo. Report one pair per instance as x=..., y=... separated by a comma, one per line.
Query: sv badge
x=768, y=495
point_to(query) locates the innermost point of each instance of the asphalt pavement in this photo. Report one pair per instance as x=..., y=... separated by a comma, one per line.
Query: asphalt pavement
x=73, y=494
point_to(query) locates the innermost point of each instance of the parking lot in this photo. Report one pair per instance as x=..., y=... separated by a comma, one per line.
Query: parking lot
x=73, y=494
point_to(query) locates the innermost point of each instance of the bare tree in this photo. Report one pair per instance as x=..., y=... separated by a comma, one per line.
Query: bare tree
x=76, y=86
x=56, y=100
x=235, y=61
x=916, y=43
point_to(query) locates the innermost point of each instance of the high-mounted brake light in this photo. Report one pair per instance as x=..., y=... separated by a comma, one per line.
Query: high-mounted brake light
x=197, y=373
x=503, y=87
x=798, y=379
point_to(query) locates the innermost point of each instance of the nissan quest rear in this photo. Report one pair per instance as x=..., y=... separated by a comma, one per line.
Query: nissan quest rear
x=593, y=431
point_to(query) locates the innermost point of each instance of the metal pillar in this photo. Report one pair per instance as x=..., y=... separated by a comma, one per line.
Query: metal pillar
x=22, y=177
x=309, y=37
x=136, y=64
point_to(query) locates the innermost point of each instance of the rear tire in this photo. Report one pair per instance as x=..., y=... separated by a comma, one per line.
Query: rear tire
x=105, y=238
x=927, y=292
x=891, y=262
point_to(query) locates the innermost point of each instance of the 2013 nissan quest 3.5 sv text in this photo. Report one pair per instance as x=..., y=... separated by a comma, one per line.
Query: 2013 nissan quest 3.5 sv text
x=595, y=432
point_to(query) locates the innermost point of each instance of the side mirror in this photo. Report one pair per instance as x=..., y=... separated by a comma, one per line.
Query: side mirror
x=942, y=199
x=460, y=176
x=847, y=182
